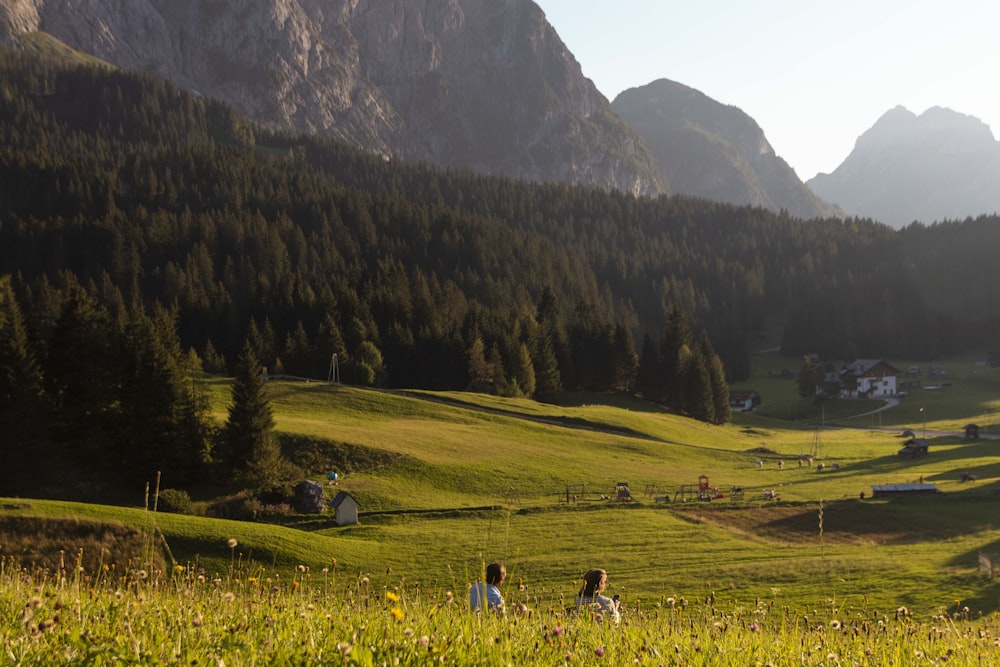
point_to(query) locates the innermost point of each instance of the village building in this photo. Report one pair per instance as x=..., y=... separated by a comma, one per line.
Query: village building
x=868, y=378
x=743, y=400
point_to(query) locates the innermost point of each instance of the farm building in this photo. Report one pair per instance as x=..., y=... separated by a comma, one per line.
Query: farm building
x=743, y=400
x=914, y=448
x=346, y=509
x=895, y=490
x=868, y=378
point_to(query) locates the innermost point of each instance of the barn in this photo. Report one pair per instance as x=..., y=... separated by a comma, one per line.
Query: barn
x=895, y=490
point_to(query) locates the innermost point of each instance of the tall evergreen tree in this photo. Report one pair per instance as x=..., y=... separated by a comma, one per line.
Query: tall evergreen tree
x=717, y=377
x=22, y=398
x=252, y=452
x=547, y=381
x=675, y=352
x=649, y=378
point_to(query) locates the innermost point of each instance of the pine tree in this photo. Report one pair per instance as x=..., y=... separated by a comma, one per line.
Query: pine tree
x=697, y=399
x=524, y=371
x=675, y=351
x=717, y=378
x=22, y=396
x=547, y=381
x=649, y=378
x=252, y=451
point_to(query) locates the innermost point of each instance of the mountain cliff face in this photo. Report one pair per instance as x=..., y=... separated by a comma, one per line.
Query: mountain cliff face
x=939, y=165
x=710, y=150
x=485, y=84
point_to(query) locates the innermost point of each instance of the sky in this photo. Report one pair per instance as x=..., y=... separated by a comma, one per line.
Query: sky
x=814, y=74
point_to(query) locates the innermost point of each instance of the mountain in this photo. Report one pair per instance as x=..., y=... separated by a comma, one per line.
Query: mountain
x=484, y=84
x=710, y=150
x=936, y=166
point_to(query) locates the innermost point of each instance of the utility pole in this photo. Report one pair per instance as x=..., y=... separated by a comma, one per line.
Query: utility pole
x=333, y=376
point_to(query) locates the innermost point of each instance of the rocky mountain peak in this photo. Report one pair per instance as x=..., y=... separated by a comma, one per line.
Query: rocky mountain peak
x=939, y=165
x=715, y=151
x=485, y=84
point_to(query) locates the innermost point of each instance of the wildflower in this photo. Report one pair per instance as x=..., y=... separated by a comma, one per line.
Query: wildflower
x=344, y=648
x=364, y=580
x=178, y=568
x=671, y=601
x=35, y=602
x=232, y=542
x=902, y=611
x=831, y=657
x=397, y=614
x=228, y=597
x=141, y=574
x=295, y=585
x=326, y=570
x=754, y=627
x=392, y=597
x=449, y=597
x=599, y=651
x=196, y=621
x=408, y=632
x=558, y=631
x=835, y=624
x=424, y=640
x=302, y=568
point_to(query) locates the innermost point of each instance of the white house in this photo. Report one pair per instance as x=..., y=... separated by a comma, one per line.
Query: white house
x=868, y=378
x=743, y=400
x=345, y=508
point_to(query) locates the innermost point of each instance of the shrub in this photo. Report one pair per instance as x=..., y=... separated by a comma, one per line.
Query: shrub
x=240, y=506
x=176, y=501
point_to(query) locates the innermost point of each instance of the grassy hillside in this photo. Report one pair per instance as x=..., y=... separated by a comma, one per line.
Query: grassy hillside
x=449, y=480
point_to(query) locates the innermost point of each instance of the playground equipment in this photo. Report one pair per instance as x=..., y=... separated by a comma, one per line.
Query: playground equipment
x=700, y=491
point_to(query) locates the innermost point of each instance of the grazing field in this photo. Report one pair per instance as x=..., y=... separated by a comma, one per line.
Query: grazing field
x=450, y=481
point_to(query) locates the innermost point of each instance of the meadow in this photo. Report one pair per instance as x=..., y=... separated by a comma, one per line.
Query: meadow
x=448, y=482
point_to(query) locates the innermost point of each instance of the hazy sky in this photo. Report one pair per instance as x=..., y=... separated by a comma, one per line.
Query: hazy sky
x=814, y=74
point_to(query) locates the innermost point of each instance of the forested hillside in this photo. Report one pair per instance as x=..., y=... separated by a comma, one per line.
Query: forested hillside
x=139, y=193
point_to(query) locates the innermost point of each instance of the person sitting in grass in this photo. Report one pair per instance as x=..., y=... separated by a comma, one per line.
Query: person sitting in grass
x=495, y=575
x=594, y=582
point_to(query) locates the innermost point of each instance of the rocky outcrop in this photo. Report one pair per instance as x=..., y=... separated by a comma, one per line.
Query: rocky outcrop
x=936, y=166
x=710, y=150
x=485, y=84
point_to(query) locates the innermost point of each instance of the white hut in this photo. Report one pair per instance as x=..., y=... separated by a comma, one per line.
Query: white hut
x=345, y=509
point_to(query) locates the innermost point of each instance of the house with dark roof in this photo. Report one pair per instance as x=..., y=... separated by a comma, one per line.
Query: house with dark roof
x=914, y=448
x=743, y=400
x=868, y=378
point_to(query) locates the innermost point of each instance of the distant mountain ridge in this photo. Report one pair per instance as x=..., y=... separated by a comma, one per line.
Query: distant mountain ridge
x=939, y=165
x=710, y=150
x=484, y=84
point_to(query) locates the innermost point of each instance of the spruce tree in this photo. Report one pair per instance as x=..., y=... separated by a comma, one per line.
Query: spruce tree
x=252, y=452
x=717, y=377
x=22, y=397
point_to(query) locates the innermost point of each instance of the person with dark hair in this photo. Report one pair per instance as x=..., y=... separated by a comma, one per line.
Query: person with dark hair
x=496, y=573
x=595, y=581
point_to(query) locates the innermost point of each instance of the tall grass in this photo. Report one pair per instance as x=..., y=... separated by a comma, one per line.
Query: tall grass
x=255, y=615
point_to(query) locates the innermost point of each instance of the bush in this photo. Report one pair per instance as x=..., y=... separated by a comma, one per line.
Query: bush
x=241, y=506
x=175, y=501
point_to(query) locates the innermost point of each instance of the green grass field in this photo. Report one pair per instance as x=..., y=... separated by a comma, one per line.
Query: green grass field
x=450, y=481
x=474, y=478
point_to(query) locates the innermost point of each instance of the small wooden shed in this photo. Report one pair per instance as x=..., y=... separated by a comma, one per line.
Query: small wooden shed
x=915, y=448
x=345, y=509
